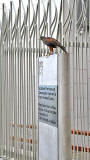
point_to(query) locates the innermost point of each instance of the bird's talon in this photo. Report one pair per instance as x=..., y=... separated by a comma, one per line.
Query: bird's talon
x=47, y=54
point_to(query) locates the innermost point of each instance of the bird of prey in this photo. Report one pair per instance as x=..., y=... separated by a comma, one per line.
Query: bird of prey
x=52, y=43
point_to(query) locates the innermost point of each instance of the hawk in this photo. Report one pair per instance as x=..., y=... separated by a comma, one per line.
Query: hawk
x=52, y=43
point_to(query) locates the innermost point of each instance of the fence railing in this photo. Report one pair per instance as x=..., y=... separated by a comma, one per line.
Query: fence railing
x=76, y=28
x=19, y=53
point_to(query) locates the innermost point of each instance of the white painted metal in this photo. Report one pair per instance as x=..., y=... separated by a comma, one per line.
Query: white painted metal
x=19, y=52
x=76, y=30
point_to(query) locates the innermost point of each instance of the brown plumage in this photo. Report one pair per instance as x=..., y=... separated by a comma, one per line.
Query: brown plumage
x=52, y=43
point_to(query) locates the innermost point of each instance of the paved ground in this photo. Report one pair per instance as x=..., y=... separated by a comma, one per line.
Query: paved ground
x=75, y=156
x=81, y=156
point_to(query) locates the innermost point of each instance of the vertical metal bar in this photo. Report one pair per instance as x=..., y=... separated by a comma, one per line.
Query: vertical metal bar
x=26, y=85
x=30, y=92
x=50, y=17
x=30, y=95
x=89, y=18
x=5, y=99
x=82, y=95
x=21, y=97
x=17, y=89
x=6, y=123
x=13, y=94
x=3, y=89
x=87, y=107
x=73, y=116
x=10, y=82
x=83, y=91
x=75, y=81
x=19, y=13
x=33, y=96
x=2, y=82
x=27, y=109
x=38, y=48
x=15, y=100
x=27, y=50
x=29, y=82
x=24, y=94
x=75, y=76
x=8, y=117
x=73, y=66
x=39, y=44
x=19, y=94
x=63, y=10
x=87, y=58
x=36, y=93
x=1, y=96
x=5, y=103
x=20, y=83
x=12, y=98
x=29, y=13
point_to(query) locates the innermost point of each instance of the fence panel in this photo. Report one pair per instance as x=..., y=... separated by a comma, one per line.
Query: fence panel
x=76, y=27
x=67, y=21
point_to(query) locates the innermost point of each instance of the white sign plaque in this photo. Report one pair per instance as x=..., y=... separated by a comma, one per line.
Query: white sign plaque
x=47, y=110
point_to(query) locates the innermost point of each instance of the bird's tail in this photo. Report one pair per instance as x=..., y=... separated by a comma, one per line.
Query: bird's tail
x=63, y=48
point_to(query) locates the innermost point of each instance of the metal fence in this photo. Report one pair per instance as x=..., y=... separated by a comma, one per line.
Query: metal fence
x=76, y=35
x=19, y=53
x=18, y=84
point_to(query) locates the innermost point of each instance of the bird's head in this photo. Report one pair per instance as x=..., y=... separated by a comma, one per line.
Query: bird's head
x=42, y=38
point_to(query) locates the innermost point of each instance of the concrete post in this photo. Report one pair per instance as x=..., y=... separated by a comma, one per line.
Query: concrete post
x=64, y=116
